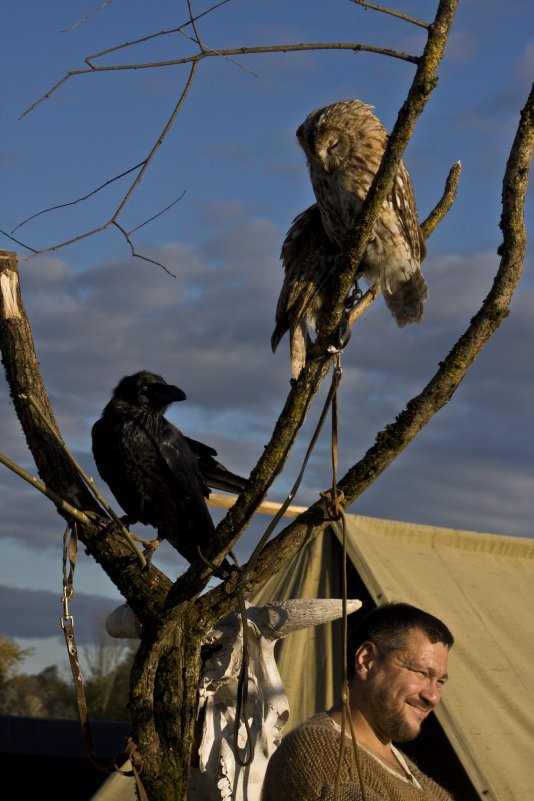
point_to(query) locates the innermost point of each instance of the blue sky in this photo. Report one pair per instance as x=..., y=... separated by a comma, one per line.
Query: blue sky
x=98, y=314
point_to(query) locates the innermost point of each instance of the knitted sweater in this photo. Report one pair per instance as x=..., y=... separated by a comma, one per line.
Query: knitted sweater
x=304, y=768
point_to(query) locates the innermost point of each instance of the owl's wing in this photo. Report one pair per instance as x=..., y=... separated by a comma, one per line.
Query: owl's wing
x=403, y=201
x=307, y=259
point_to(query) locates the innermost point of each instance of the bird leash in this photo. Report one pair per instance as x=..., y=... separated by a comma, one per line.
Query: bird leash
x=131, y=752
x=334, y=503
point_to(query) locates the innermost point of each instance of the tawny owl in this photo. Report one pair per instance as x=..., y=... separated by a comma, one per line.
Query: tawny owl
x=344, y=144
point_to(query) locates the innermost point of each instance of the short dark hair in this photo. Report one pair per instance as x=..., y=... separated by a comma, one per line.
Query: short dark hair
x=388, y=625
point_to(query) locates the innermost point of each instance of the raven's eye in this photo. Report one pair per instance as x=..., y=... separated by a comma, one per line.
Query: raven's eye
x=144, y=387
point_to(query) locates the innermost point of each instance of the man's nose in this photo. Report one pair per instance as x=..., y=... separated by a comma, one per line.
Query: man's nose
x=431, y=693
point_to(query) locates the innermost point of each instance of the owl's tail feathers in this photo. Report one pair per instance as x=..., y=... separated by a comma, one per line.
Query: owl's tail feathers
x=299, y=343
x=406, y=300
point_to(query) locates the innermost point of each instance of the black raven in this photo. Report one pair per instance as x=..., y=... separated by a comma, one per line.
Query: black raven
x=159, y=477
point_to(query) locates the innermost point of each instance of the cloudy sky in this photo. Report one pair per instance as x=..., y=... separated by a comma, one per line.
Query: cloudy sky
x=97, y=314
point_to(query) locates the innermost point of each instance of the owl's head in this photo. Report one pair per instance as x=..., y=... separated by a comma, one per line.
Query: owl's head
x=329, y=135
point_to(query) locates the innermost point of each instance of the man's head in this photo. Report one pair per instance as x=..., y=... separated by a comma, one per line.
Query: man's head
x=397, y=666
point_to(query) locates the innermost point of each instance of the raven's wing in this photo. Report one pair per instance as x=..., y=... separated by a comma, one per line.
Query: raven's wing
x=182, y=466
x=216, y=475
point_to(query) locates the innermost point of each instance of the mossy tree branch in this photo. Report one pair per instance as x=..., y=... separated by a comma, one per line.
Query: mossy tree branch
x=390, y=442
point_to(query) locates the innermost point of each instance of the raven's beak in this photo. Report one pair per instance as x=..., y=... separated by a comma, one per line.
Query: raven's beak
x=164, y=394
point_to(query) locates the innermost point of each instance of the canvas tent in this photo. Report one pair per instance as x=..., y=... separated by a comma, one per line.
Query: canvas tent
x=481, y=585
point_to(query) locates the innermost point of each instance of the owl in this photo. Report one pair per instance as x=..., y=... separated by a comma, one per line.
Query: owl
x=307, y=257
x=344, y=144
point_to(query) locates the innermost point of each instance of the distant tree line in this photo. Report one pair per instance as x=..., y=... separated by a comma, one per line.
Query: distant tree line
x=48, y=695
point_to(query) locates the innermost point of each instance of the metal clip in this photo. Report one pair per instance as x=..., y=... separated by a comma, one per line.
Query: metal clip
x=66, y=619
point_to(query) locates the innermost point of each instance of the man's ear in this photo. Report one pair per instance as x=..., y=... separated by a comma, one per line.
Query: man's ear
x=365, y=658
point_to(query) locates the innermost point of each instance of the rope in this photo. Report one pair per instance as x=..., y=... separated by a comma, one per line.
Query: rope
x=131, y=750
x=280, y=513
x=335, y=501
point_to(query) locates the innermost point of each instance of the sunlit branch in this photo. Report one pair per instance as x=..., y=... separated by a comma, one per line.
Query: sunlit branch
x=428, y=226
x=445, y=202
x=59, y=502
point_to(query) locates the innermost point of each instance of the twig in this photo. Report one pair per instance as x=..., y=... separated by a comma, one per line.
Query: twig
x=18, y=242
x=59, y=502
x=218, y=53
x=87, y=17
x=193, y=25
x=78, y=200
x=161, y=137
x=67, y=242
x=137, y=255
x=150, y=36
x=155, y=216
x=145, y=164
x=444, y=204
x=390, y=11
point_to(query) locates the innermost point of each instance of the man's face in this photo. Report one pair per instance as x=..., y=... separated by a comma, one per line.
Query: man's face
x=405, y=685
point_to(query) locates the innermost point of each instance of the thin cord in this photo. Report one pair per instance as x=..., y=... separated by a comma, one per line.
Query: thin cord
x=280, y=513
x=339, y=513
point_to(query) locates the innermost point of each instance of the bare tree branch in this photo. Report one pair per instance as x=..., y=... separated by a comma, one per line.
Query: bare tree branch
x=62, y=505
x=392, y=13
x=137, y=255
x=18, y=242
x=150, y=36
x=441, y=208
x=78, y=200
x=303, y=391
x=194, y=60
x=87, y=17
x=223, y=53
x=419, y=411
x=155, y=216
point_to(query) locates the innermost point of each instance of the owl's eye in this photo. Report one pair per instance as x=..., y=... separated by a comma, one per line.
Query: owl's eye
x=333, y=146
